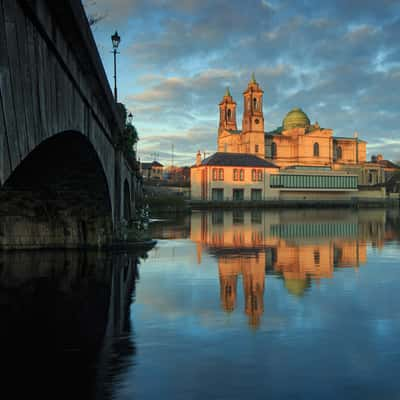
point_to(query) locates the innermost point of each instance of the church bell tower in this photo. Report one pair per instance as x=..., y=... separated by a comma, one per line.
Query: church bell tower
x=253, y=119
x=227, y=113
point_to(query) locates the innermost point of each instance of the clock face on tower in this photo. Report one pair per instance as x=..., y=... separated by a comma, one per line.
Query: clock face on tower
x=257, y=121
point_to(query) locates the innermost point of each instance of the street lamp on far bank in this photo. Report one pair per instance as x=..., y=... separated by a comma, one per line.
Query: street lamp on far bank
x=116, y=39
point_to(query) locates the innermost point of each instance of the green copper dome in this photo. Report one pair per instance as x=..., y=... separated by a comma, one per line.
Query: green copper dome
x=296, y=118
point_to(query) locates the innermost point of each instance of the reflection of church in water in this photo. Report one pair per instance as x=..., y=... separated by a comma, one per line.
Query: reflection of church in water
x=299, y=246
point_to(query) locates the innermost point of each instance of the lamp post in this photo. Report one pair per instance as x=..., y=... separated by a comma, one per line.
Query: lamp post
x=115, y=42
x=130, y=118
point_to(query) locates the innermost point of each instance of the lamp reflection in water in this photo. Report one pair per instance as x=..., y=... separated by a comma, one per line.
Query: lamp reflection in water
x=254, y=243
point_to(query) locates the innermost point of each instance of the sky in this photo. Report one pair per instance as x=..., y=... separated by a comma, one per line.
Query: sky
x=337, y=60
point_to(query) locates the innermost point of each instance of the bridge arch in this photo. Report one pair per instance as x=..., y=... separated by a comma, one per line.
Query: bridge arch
x=58, y=196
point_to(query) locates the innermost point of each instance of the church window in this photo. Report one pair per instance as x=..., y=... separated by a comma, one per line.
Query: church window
x=339, y=153
x=256, y=148
x=316, y=150
x=255, y=104
x=229, y=114
x=249, y=104
x=317, y=257
x=273, y=150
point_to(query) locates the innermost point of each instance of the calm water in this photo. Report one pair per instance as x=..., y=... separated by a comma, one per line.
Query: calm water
x=228, y=305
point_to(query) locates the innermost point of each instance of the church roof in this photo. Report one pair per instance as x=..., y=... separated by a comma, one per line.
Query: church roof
x=347, y=138
x=234, y=132
x=237, y=159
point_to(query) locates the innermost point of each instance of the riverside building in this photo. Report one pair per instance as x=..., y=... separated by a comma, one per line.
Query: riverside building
x=299, y=160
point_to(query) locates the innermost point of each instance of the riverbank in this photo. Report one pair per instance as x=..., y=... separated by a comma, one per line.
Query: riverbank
x=353, y=203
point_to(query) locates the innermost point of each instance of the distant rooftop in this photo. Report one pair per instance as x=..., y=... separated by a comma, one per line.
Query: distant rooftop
x=149, y=165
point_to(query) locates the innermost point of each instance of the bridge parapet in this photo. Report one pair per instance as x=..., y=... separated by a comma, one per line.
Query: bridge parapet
x=53, y=84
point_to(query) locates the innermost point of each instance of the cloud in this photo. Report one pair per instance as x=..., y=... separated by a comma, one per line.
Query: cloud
x=339, y=61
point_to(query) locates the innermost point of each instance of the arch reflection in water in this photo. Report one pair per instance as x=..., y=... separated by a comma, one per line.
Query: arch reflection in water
x=65, y=321
x=300, y=246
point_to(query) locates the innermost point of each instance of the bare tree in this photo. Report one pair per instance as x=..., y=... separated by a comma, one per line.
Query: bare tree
x=95, y=17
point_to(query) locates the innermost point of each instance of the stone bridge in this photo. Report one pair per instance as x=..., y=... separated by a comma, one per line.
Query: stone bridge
x=64, y=179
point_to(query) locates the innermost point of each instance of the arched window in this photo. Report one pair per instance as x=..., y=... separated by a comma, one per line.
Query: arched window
x=316, y=150
x=339, y=153
x=229, y=114
x=255, y=104
x=273, y=150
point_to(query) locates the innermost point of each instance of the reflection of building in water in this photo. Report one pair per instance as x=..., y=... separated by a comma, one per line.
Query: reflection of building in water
x=252, y=269
x=301, y=246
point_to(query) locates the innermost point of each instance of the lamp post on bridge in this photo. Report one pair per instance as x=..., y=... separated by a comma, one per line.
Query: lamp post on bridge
x=115, y=42
x=130, y=118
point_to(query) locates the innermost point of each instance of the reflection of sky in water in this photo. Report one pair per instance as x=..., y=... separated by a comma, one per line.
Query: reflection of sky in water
x=339, y=339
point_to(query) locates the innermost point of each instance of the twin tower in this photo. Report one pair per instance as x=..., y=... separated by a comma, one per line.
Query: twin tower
x=250, y=139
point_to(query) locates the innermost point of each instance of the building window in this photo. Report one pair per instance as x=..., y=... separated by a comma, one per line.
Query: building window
x=253, y=175
x=217, y=216
x=215, y=174
x=218, y=174
x=339, y=153
x=237, y=215
x=256, y=217
x=256, y=148
x=316, y=150
x=242, y=174
x=259, y=175
x=256, y=194
x=235, y=174
x=255, y=104
x=317, y=257
x=217, y=195
x=229, y=114
x=273, y=150
x=238, y=195
x=370, y=177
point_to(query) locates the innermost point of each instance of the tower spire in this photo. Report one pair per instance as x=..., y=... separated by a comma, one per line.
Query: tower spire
x=253, y=78
x=227, y=92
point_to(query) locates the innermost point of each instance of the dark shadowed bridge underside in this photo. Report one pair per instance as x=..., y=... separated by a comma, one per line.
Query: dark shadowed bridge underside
x=57, y=197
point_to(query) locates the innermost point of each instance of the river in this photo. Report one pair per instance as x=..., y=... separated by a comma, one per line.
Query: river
x=228, y=305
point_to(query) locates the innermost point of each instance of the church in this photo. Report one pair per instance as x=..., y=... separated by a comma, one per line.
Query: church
x=296, y=143
x=299, y=159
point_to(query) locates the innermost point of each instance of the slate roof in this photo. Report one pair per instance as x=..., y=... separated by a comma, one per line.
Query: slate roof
x=388, y=164
x=237, y=159
x=149, y=165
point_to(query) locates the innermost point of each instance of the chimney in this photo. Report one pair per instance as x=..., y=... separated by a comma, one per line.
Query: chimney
x=198, y=158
